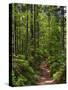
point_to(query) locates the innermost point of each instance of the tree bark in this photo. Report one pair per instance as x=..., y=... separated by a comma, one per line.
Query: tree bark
x=26, y=54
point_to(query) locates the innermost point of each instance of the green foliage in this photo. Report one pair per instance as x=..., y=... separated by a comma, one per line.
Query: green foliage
x=21, y=80
x=59, y=76
x=57, y=66
x=38, y=34
x=23, y=73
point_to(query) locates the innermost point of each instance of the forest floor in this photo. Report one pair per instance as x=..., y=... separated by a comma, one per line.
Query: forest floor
x=45, y=76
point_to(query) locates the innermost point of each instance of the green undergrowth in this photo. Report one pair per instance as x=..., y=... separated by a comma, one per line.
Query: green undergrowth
x=22, y=72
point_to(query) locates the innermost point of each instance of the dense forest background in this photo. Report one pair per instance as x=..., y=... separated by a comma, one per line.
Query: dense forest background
x=38, y=44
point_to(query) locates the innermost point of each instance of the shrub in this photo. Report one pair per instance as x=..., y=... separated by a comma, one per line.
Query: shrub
x=23, y=73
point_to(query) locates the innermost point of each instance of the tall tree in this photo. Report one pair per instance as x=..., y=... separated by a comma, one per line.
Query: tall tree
x=62, y=25
x=34, y=30
x=26, y=54
x=31, y=21
x=38, y=27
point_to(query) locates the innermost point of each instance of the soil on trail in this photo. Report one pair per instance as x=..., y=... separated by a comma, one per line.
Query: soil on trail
x=45, y=77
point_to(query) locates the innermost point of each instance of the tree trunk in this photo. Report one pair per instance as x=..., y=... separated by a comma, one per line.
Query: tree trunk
x=31, y=21
x=26, y=54
x=37, y=29
x=62, y=26
x=34, y=30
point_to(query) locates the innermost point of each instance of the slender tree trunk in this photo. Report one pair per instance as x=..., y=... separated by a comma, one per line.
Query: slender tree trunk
x=26, y=54
x=37, y=29
x=49, y=31
x=19, y=40
x=13, y=30
x=38, y=34
x=31, y=21
x=15, y=35
x=34, y=29
x=62, y=26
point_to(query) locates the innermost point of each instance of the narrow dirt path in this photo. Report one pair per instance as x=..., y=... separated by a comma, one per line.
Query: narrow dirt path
x=45, y=77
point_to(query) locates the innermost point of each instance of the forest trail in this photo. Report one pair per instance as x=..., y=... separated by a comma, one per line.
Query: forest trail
x=45, y=77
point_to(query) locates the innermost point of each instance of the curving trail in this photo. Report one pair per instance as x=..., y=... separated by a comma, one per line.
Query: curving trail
x=45, y=77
